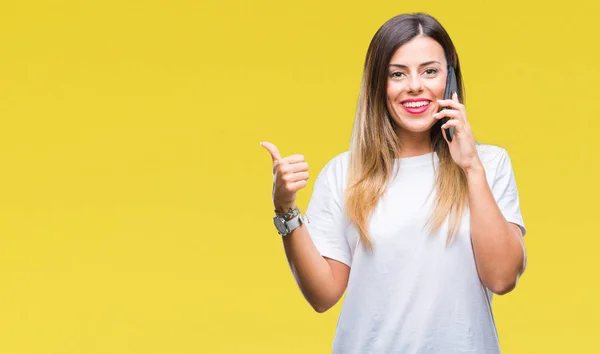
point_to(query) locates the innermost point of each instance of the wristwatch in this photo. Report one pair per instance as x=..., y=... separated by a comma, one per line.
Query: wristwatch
x=288, y=222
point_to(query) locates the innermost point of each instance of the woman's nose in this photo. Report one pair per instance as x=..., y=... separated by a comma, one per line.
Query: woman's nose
x=415, y=84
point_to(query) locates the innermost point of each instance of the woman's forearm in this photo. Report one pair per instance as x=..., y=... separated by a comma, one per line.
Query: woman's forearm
x=321, y=285
x=497, y=244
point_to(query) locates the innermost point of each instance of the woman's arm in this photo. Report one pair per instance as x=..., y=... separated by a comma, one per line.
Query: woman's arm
x=499, y=250
x=498, y=245
x=322, y=281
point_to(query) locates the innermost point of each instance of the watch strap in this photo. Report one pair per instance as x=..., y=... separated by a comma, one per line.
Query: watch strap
x=284, y=227
x=294, y=222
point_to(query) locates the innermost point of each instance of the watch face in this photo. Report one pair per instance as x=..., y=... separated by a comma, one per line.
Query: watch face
x=280, y=225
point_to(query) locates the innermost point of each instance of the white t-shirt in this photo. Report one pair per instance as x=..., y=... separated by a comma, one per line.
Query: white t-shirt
x=412, y=294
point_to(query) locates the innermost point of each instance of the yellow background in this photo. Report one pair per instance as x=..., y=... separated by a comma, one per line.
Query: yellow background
x=135, y=206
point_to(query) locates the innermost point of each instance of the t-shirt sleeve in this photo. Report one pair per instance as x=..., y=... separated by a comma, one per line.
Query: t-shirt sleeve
x=505, y=191
x=325, y=219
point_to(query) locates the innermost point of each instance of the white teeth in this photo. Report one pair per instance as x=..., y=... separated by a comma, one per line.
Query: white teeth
x=415, y=104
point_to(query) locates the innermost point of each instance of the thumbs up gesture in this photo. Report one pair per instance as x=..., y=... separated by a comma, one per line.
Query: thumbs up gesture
x=289, y=176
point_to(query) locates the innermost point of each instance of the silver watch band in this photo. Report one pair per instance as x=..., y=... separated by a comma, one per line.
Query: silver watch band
x=293, y=223
x=284, y=227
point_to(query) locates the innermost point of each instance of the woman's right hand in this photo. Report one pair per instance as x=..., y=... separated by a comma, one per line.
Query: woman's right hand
x=289, y=176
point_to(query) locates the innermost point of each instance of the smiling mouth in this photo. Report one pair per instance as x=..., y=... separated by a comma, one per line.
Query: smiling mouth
x=415, y=104
x=416, y=107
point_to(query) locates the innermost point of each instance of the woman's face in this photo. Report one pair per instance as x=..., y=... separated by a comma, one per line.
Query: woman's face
x=416, y=79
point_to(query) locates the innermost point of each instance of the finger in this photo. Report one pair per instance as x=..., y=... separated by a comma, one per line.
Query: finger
x=451, y=123
x=297, y=167
x=460, y=127
x=294, y=158
x=295, y=186
x=444, y=134
x=455, y=96
x=451, y=104
x=447, y=113
x=272, y=149
x=295, y=177
x=285, y=168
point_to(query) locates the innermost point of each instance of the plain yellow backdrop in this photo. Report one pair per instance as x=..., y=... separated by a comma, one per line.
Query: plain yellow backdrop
x=135, y=205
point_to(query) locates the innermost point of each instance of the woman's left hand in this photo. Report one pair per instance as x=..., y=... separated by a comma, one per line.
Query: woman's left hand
x=462, y=147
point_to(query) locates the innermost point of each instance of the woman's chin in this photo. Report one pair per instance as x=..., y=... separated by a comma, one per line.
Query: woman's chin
x=417, y=125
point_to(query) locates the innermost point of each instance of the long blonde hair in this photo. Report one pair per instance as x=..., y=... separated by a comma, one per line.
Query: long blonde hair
x=375, y=144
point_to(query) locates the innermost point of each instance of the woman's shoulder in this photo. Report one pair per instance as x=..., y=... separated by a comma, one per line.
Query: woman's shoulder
x=340, y=159
x=333, y=171
x=337, y=165
x=489, y=154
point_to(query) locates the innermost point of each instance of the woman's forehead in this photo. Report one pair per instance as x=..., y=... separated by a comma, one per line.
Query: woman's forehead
x=417, y=51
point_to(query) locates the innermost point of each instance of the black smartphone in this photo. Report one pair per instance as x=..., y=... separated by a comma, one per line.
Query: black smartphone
x=451, y=87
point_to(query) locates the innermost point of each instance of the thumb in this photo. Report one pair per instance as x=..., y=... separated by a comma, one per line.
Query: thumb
x=272, y=149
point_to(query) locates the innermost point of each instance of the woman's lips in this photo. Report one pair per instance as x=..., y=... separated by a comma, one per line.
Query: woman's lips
x=422, y=106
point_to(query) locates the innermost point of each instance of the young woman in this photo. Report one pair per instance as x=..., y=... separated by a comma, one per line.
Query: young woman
x=418, y=230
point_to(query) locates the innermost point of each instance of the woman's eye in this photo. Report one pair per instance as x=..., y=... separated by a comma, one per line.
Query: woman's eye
x=431, y=71
x=397, y=74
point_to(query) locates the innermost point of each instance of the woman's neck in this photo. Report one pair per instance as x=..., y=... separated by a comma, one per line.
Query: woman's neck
x=414, y=144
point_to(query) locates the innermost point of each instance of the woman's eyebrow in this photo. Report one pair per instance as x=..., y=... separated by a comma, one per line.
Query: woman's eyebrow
x=421, y=65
